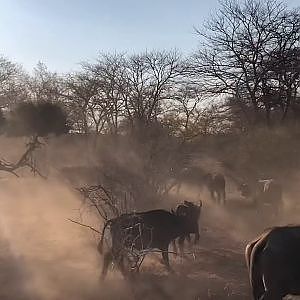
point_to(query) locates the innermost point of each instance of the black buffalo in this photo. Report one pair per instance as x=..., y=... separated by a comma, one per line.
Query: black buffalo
x=264, y=193
x=216, y=186
x=144, y=231
x=273, y=261
x=193, y=211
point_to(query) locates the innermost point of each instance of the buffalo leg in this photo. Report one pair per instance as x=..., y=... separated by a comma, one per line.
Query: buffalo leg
x=121, y=266
x=197, y=236
x=212, y=195
x=175, y=247
x=107, y=260
x=188, y=238
x=271, y=295
x=219, y=197
x=165, y=256
x=224, y=196
x=181, y=244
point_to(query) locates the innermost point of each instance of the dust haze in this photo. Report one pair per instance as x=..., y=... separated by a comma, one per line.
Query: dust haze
x=136, y=131
x=45, y=256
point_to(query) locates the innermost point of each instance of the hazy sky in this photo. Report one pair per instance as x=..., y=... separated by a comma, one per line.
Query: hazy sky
x=62, y=33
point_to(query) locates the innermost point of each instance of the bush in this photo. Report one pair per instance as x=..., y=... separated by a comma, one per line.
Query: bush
x=51, y=119
x=41, y=118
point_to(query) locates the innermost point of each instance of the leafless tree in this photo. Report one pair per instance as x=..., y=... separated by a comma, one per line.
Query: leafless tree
x=239, y=43
x=109, y=71
x=149, y=83
x=184, y=111
x=283, y=78
x=12, y=84
x=79, y=100
x=118, y=88
x=93, y=95
x=45, y=85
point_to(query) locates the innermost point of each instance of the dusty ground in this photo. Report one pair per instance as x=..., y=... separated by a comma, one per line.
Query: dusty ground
x=45, y=257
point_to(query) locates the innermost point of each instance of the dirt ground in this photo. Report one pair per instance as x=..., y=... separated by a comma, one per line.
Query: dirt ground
x=43, y=256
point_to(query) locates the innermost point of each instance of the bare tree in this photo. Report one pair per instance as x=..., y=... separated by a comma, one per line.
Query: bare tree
x=109, y=72
x=184, y=111
x=45, y=85
x=118, y=88
x=283, y=78
x=149, y=83
x=93, y=95
x=12, y=84
x=240, y=41
x=80, y=101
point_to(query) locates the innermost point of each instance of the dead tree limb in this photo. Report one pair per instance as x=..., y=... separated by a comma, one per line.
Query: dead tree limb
x=104, y=201
x=84, y=225
x=26, y=159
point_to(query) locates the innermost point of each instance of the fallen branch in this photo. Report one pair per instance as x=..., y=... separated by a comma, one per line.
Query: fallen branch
x=102, y=200
x=26, y=160
x=84, y=225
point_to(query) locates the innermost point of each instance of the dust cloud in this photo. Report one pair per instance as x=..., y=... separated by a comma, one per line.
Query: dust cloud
x=44, y=256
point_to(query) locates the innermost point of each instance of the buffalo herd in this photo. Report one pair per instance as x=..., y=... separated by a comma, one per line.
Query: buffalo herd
x=273, y=258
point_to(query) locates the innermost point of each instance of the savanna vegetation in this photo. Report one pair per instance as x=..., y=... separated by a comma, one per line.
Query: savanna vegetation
x=125, y=129
x=239, y=89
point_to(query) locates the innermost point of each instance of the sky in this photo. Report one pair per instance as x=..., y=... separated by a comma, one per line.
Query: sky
x=62, y=33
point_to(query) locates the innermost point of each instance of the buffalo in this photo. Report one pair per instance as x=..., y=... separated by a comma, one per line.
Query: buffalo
x=141, y=232
x=273, y=261
x=264, y=193
x=193, y=211
x=216, y=186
